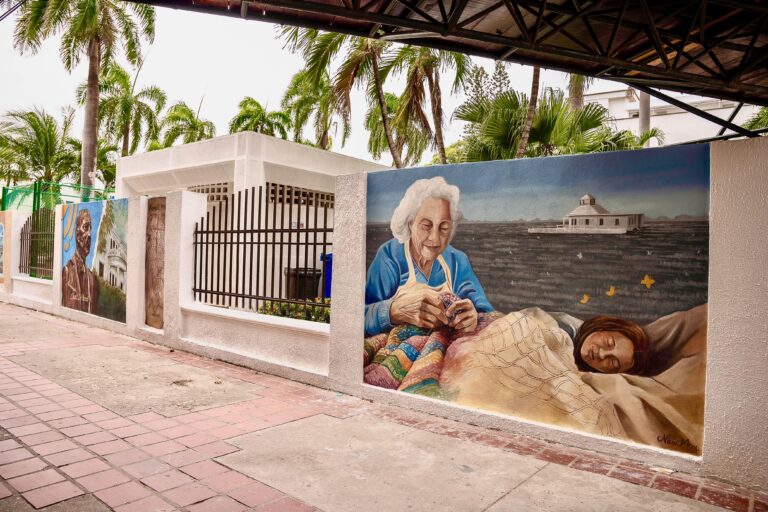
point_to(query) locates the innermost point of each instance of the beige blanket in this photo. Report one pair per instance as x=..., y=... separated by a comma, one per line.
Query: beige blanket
x=522, y=365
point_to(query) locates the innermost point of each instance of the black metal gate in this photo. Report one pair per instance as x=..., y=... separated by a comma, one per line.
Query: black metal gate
x=265, y=248
x=37, y=237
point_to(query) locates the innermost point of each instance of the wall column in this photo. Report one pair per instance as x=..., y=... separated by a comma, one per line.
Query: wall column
x=182, y=210
x=136, y=241
x=348, y=287
x=735, y=427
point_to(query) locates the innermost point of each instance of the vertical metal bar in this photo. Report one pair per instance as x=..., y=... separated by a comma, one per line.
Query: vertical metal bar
x=306, y=195
x=207, y=257
x=316, y=206
x=274, y=239
x=237, y=248
x=244, y=242
x=266, y=239
x=298, y=242
x=217, y=296
x=325, y=240
x=258, y=245
x=195, y=287
x=230, y=241
x=291, y=190
x=251, y=267
x=280, y=292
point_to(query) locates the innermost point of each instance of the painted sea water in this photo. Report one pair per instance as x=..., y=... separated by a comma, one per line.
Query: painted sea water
x=584, y=275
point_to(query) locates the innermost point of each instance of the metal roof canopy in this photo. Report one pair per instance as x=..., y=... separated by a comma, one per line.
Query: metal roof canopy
x=716, y=48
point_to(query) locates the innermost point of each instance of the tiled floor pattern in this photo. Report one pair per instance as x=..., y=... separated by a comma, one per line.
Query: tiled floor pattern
x=57, y=445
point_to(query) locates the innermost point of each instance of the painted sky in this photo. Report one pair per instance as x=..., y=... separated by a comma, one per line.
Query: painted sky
x=657, y=182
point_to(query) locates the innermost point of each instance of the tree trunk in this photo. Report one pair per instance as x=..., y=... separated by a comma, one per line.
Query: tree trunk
x=436, y=99
x=385, y=113
x=91, y=121
x=126, y=136
x=324, y=140
x=531, y=111
x=576, y=91
x=645, y=114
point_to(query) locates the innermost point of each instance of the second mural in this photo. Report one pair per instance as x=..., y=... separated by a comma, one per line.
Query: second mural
x=94, y=258
x=569, y=291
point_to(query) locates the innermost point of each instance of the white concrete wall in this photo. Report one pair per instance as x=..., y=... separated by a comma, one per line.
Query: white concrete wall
x=736, y=413
x=330, y=356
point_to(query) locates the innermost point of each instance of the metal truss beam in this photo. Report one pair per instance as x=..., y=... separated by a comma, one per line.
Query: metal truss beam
x=698, y=112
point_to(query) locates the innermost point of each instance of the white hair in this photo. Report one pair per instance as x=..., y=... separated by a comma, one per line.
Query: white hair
x=405, y=213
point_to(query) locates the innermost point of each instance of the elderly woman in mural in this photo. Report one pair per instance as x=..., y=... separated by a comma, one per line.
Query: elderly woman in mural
x=417, y=278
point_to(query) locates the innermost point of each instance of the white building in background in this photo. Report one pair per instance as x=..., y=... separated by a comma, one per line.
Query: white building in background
x=111, y=265
x=677, y=124
x=591, y=218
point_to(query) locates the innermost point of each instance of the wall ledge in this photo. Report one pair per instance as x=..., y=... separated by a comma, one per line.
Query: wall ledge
x=35, y=280
x=288, y=324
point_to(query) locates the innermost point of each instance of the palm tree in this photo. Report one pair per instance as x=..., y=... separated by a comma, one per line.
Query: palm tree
x=253, y=117
x=10, y=170
x=758, y=121
x=182, y=122
x=556, y=128
x=422, y=65
x=97, y=30
x=127, y=116
x=531, y=111
x=408, y=134
x=41, y=146
x=360, y=66
x=495, y=125
x=577, y=86
x=304, y=100
x=106, y=161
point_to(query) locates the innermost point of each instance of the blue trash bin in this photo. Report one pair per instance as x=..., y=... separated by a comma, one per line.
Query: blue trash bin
x=327, y=260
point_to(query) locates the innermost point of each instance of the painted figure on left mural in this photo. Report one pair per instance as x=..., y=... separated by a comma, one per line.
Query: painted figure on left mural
x=79, y=289
x=95, y=258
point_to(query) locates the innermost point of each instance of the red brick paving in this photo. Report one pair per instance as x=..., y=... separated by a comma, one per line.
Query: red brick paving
x=34, y=480
x=168, y=480
x=52, y=494
x=152, y=463
x=103, y=480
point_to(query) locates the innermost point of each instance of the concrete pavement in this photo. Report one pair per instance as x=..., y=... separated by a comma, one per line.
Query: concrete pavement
x=93, y=421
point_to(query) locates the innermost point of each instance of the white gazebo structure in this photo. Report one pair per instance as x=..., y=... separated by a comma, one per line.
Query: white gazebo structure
x=229, y=163
x=591, y=218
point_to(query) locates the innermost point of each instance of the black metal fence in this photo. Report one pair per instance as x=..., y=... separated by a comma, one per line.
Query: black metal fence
x=37, y=237
x=265, y=250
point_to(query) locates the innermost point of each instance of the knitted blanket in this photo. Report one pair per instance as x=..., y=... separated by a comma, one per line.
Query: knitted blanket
x=410, y=358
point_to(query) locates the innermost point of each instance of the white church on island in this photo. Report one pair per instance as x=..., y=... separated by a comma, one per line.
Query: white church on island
x=591, y=218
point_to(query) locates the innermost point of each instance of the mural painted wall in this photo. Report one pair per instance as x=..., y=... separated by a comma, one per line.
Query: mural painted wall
x=2, y=246
x=567, y=290
x=94, y=258
x=154, y=264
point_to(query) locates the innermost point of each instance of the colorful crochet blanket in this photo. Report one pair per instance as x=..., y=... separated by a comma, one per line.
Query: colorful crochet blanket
x=410, y=358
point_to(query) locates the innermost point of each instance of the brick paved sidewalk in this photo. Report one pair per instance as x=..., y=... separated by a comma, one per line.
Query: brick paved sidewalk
x=59, y=447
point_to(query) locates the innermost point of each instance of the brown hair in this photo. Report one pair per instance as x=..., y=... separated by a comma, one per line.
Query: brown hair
x=628, y=328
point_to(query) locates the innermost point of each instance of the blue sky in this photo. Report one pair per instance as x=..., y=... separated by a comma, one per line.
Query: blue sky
x=657, y=182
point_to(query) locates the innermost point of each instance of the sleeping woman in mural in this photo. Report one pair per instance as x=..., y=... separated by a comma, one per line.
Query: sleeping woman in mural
x=432, y=331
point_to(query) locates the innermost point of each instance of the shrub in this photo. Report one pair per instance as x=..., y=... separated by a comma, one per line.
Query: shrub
x=300, y=311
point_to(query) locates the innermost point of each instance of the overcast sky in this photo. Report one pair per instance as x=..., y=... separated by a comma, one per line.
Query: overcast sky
x=218, y=60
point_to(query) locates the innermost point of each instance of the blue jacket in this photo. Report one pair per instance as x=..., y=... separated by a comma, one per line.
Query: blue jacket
x=389, y=271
